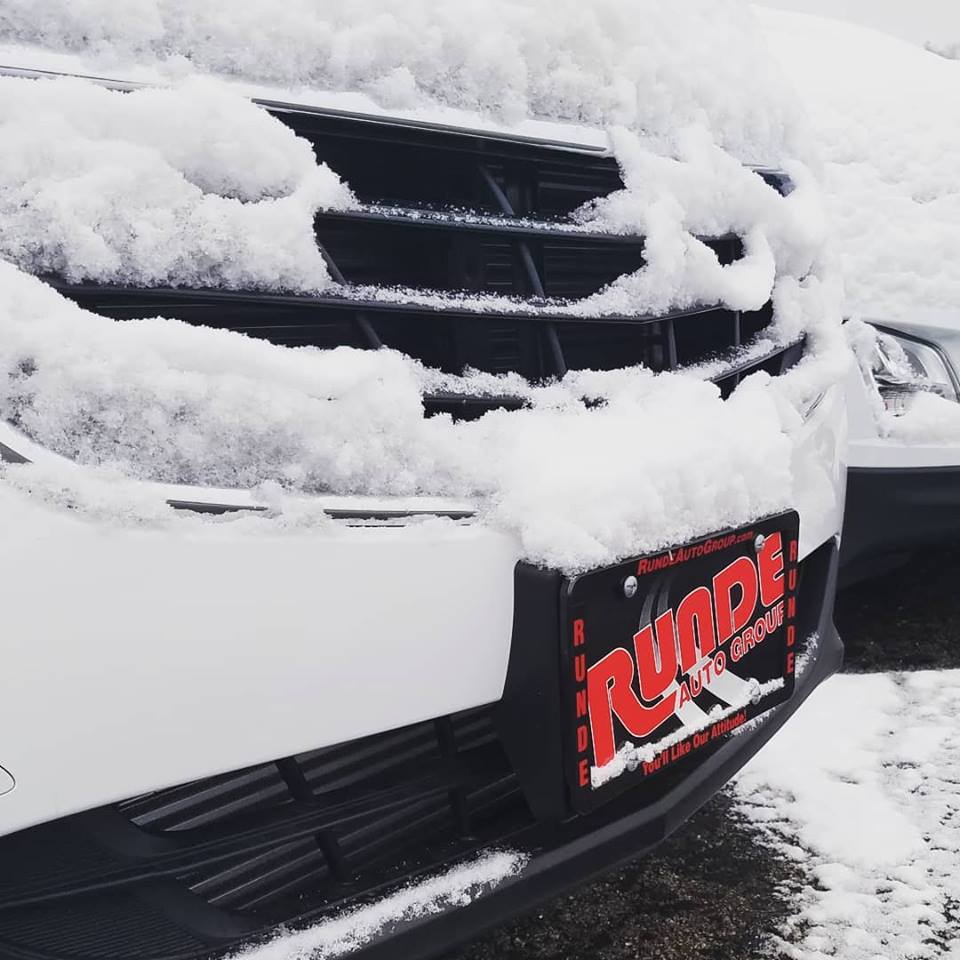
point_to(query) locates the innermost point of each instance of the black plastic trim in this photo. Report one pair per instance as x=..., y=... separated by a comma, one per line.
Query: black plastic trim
x=361, y=298
x=9, y=455
x=894, y=510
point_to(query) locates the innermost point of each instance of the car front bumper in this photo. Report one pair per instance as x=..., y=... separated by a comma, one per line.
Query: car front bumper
x=187, y=887
x=327, y=647
x=565, y=855
x=191, y=650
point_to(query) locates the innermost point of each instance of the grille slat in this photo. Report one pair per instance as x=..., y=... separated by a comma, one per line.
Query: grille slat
x=456, y=336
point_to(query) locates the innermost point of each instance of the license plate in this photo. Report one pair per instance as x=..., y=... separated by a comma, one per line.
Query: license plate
x=664, y=656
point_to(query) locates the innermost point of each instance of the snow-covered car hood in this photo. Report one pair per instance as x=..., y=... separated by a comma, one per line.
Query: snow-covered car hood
x=645, y=64
x=189, y=183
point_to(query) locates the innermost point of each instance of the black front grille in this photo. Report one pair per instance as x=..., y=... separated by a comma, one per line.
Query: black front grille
x=344, y=815
x=463, y=253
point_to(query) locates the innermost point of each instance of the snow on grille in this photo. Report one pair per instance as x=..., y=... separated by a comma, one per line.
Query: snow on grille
x=659, y=460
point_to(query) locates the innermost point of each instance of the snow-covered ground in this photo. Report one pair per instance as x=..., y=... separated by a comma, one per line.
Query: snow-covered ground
x=862, y=789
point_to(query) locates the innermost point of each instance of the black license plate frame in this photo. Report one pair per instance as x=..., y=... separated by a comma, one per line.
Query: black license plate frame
x=751, y=654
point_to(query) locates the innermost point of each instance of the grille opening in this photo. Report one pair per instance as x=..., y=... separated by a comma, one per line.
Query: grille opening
x=755, y=321
x=578, y=268
x=387, y=171
x=565, y=187
x=589, y=346
x=706, y=335
x=410, y=166
x=422, y=244
x=431, y=791
x=410, y=253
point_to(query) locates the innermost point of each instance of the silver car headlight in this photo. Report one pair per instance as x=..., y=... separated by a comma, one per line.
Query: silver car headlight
x=902, y=366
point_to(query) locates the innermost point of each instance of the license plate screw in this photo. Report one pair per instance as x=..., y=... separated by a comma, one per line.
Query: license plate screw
x=759, y=542
x=630, y=587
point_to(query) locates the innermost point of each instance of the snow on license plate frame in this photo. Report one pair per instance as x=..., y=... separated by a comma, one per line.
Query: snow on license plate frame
x=663, y=656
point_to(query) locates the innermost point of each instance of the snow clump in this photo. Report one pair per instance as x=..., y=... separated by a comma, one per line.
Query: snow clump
x=882, y=114
x=190, y=186
x=348, y=931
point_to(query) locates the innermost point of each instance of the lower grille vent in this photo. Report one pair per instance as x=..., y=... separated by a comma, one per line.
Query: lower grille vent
x=257, y=847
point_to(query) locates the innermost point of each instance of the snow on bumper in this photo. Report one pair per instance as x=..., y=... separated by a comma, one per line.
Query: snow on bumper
x=140, y=657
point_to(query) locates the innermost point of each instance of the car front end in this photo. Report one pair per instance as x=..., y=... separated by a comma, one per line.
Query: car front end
x=904, y=467
x=241, y=726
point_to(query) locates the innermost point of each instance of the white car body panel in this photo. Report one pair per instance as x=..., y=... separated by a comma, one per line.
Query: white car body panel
x=820, y=471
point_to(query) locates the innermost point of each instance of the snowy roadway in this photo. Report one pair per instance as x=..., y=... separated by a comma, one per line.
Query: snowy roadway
x=841, y=839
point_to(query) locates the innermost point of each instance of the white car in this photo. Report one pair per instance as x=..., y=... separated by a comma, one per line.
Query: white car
x=208, y=736
x=904, y=459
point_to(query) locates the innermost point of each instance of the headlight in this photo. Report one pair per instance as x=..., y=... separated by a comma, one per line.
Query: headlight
x=903, y=366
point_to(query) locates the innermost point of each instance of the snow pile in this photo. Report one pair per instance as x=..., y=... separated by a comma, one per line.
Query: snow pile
x=343, y=934
x=884, y=114
x=700, y=189
x=158, y=399
x=860, y=788
x=192, y=186
x=651, y=65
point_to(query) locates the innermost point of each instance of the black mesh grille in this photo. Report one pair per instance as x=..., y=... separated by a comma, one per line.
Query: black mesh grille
x=341, y=815
x=216, y=858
